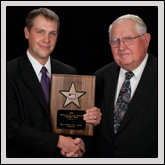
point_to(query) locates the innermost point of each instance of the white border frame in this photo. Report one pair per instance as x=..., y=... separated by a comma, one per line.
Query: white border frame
x=160, y=159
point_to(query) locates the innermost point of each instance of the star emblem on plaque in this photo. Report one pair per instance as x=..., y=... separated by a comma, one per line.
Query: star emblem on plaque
x=72, y=96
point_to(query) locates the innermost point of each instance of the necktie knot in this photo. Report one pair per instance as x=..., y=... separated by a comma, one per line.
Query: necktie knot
x=43, y=70
x=128, y=75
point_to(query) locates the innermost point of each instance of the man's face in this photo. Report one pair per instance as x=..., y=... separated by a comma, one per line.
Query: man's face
x=129, y=57
x=42, y=38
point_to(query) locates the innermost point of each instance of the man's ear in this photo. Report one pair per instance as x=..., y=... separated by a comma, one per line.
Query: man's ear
x=26, y=32
x=147, y=38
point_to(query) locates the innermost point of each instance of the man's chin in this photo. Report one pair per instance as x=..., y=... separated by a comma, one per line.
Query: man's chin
x=44, y=55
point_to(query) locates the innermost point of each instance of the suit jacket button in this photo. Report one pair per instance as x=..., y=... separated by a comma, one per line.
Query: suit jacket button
x=48, y=118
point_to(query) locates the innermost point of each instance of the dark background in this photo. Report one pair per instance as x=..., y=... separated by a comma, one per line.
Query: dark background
x=83, y=38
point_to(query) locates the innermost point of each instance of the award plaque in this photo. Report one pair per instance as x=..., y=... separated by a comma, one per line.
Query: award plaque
x=71, y=96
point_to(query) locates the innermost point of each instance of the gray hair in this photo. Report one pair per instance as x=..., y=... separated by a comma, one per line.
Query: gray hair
x=140, y=25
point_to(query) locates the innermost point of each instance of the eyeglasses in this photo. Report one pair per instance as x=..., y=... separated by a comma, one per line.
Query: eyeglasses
x=126, y=40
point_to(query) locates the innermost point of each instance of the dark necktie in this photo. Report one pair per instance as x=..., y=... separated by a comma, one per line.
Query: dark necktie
x=123, y=101
x=45, y=84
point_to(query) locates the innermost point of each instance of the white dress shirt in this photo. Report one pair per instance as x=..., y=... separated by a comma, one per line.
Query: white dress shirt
x=133, y=81
x=37, y=66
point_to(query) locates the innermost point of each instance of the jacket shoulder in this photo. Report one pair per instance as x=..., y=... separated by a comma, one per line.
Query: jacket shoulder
x=105, y=70
x=62, y=67
x=13, y=65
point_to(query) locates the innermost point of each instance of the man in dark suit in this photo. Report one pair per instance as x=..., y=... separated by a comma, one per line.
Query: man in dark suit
x=29, y=130
x=129, y=125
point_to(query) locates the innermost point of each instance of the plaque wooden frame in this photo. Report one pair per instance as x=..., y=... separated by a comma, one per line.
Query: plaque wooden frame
x=63, y=99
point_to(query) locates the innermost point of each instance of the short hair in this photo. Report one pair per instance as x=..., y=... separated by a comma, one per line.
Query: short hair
x=47, y=13
x=139, y=23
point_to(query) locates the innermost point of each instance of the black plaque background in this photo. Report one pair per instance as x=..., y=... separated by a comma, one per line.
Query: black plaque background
x=75, y=123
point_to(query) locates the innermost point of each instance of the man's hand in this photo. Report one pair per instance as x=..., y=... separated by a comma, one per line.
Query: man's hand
x=80, y=143
x=93, y=116
x=70, y=147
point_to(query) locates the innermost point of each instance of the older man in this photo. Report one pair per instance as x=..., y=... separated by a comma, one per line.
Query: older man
x=127, y=94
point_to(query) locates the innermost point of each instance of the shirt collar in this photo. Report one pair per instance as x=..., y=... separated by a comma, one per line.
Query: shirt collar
x=37, y=66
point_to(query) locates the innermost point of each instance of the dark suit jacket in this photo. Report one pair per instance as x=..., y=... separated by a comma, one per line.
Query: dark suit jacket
x=29, y=130
x=138, y=133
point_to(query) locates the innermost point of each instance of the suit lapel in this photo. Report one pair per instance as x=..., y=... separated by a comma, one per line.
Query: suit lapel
x=27, y=73
x=110, y=90
x=145, y=85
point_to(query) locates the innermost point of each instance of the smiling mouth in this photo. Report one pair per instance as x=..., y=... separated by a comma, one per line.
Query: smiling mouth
x=124, y=54
x=44, y=47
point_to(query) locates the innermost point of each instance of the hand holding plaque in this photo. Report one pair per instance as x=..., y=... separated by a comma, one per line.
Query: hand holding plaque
x=71, y=96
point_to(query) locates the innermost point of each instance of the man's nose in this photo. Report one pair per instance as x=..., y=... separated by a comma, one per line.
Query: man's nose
x=47, y=38
x=122, y=46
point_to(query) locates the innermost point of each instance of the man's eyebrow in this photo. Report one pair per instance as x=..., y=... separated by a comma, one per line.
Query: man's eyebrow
x=40, y=29
x=45, y=30
x=54, y=31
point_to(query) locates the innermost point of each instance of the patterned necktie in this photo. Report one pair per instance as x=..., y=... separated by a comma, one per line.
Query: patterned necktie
x=45, y=84
x=123, y=101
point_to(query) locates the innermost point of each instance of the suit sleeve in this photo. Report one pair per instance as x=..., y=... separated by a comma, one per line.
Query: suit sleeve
x=21, y=134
